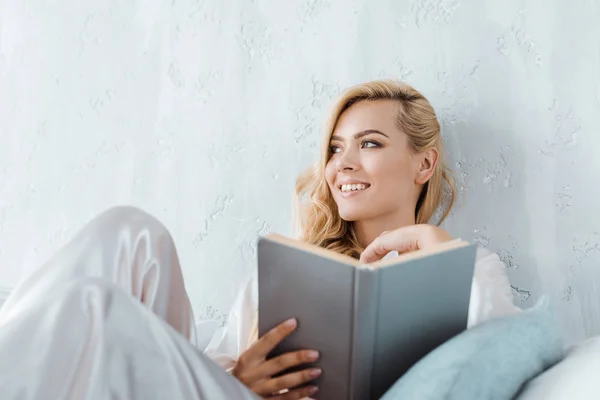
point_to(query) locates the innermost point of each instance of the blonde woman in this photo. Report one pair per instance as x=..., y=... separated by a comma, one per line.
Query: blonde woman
x=108, y=316
x=374, y=193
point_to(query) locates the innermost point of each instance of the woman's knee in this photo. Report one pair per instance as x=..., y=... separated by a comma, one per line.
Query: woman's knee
x=80, y=291
x=136, y=219
x=128, y=214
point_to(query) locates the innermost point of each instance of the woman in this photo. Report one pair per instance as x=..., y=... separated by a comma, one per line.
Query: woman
x=380, y=181
x=108, y=316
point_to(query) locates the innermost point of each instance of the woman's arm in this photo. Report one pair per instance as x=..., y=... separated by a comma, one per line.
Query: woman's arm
x=491, y=294
x=240, y=330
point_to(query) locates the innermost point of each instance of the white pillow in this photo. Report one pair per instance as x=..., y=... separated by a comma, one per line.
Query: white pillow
x=576, y=377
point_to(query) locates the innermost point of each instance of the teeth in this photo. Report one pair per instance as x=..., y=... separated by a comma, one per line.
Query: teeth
x=353, y=187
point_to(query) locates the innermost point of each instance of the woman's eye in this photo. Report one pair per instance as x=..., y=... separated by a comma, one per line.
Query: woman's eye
x=369, y=143
x=334, y=149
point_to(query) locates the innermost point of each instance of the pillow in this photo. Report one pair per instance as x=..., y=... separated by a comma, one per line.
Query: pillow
x=576, y=377
x=489, y=361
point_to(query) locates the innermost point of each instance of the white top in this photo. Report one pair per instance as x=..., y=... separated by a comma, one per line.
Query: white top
x=491, y=297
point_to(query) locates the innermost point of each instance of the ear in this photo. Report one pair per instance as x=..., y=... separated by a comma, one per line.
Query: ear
x=428, y=160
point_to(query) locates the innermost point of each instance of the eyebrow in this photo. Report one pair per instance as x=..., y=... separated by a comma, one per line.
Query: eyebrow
x=360, y=134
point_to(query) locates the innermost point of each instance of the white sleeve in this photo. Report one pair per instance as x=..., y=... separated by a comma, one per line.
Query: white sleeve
x=229, y=343
x=491, y=294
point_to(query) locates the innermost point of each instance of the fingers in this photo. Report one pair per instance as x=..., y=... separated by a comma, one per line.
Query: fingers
x=291, y=380
x=402, y=241
x=272, y=338
x=381, y=246
x=296, y=394
x=247, y=366
x=374, y=252
x=263, y=346
x=285, y=361
x=254, y=371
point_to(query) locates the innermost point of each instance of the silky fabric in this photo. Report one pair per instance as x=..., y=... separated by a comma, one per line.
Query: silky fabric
x=108, y=317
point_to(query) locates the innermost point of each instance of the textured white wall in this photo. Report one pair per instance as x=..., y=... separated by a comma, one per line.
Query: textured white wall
x=203, y=112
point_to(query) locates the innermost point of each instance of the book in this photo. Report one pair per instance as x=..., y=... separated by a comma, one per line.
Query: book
x=370, y=323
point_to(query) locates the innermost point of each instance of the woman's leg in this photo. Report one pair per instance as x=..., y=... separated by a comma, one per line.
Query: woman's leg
x=125, y=246
x=88, y=340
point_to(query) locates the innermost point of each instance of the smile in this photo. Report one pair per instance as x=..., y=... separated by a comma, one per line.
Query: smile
x=355, y=187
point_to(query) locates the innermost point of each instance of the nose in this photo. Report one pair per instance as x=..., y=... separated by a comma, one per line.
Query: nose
x=347, y=161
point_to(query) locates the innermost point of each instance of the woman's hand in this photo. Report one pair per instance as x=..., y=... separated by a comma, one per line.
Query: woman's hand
x=254, y=371
x=403, y=240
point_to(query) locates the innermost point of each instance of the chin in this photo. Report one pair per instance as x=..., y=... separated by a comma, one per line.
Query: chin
x=351, y=215
x=357, y=212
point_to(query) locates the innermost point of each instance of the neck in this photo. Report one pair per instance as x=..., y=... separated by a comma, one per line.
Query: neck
x=368, y=230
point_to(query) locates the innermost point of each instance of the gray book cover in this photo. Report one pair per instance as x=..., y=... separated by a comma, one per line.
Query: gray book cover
x=369, y=323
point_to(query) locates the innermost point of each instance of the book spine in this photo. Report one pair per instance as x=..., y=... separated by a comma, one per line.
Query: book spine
x=364, y=325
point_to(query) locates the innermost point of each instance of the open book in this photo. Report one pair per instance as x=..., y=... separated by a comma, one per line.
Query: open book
x=370, y=323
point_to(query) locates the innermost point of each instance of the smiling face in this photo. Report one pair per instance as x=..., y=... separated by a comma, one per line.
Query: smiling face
x=372, y=172
x=382, y=166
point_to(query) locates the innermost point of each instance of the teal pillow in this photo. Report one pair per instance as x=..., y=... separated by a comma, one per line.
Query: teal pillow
x=489, y=361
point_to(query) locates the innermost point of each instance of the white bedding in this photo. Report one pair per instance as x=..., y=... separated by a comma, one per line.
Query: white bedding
x=108, y=317
x=576, y=377
x=4, y=292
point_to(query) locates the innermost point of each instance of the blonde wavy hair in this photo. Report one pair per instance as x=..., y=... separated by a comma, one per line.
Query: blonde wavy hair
x=317, y=219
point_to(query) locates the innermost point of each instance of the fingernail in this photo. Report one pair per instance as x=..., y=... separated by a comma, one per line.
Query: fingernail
x=313, y=390
x=290, y=323
x=313, y=354
x=315, y=372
